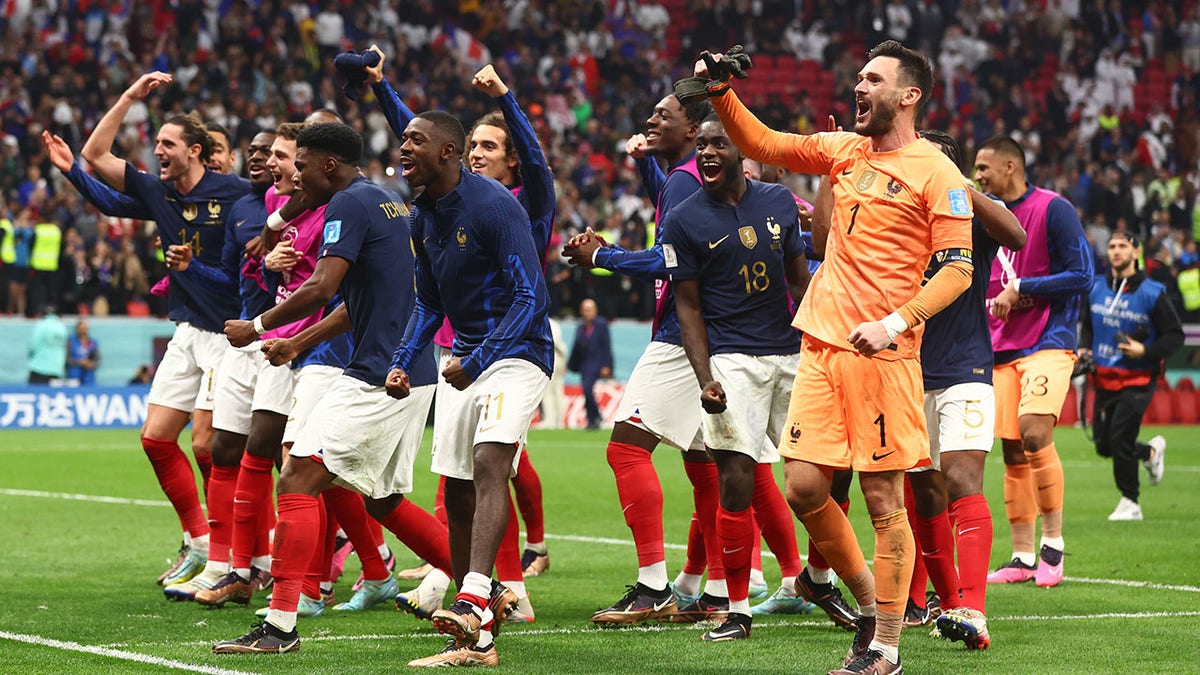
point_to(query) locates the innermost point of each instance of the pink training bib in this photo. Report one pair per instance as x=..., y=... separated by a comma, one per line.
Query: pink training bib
x=1030, y=315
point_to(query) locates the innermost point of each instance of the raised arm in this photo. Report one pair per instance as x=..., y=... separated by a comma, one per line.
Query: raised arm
x=106, y=200
x=398, y=115
x=98, y=148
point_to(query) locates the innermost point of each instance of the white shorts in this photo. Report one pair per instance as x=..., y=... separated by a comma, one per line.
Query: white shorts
x=960, y=417
x=187, y=377
x=496, y=408
x=247, y=382
x=364, y=437
x=311, y=384
x=662, y=397
x=757, y=391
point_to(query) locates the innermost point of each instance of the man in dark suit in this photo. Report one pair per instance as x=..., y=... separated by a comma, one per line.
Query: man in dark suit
x=591, y=357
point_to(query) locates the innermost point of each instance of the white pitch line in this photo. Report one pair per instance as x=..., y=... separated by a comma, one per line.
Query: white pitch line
x=116, y=654
x=610, y=541
x=663, y=628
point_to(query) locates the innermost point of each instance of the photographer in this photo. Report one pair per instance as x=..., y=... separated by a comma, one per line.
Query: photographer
x=1129, y=327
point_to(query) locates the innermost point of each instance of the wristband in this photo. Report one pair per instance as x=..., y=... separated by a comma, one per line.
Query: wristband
x=1017, y=285
x=894, y=324
x=275, y=222
x=258, y=325
x=594, y=253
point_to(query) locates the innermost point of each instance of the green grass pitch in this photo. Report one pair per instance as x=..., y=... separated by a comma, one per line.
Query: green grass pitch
x=79, y=595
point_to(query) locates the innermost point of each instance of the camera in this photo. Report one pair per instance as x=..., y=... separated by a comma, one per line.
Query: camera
x=1084, y=365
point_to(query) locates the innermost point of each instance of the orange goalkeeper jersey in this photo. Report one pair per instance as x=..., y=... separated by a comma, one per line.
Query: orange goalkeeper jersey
x=892, y=211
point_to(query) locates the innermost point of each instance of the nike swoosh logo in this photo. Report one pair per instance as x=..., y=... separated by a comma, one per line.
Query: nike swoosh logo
x=1043, y=487
x=730, y=551
x=242, y=501
x=879, y=457
x=240, y=223
x=846, y=172
x=627, y=508
x=658, y=607
x=714, y=244
x=488, y=428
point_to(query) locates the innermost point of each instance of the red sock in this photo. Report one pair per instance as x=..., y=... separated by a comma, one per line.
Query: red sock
x=706, y=495
x=318, y=564
x=815, y=559
x=178, y=482
x=936, y=547
x=920, y=576
x=349, y=511
x=221, y=488
x=756, y=551
x=528, y=486
x=772, y=514
x=974, y=521
x=736, y=535
x=205, y=465
x=251, y=508
x=376, y=532
x=266, y=523
x=439, y=503
x=417, y=529
x=696, y=561
x=296, y=539
x=508, y=556
x=641, y=499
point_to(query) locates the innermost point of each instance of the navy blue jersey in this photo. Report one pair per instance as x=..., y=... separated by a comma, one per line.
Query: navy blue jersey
x=108, y=201
x=957, y=346
x=196, y=219
x=738, y=254
x=244, y=223
x=478, y=266
x=366, y=225
x=335, y=352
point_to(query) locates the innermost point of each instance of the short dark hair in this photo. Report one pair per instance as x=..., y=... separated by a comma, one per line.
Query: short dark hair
x=289, y=131
x=1126, y=235
x=194, y=133
x=1005, y=145
x=338, y=140
x=914, y=67
x=494, y=119
x=946, y=143
x=216, y=127
x=698, y=111
x=448, y=126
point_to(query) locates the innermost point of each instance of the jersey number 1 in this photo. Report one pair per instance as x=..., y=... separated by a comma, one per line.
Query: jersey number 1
x=853, y=217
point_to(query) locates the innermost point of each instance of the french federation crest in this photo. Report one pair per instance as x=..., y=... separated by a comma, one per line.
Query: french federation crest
x=461, y=238
x=774, y=228
x=214, y=209
x=748, y=237
x=190, y=211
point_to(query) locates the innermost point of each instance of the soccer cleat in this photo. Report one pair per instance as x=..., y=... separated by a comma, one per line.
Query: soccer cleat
x=456, y=654
x=533, y=563
x=523, y=613
x=736, y=627
x=683, y=599
x=871, y=662
x=416, y=573
x=705, y=608
x=230, y=587
x=263, y=639
x=191, y=566
x=389, y=561
x=933, y=605
x=783, y=601
x=829, y=598
x=372, y=593
x=459, y=621
x=915, y=615
x=1050, y=567
x=1012, y=572
x=342, y=548
x=328, y=597
x=1127, y=509
x=187, y=590
x=759, y=590
x=184, y=550
x=861, y=644
x=966, y=625
x=639, y=604
x=1154, y=465
x=419, y=604
x=260, y=579
x=307, y=607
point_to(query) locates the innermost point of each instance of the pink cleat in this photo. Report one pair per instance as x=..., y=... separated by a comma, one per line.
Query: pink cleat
x=1012, y=572
x=1050, y=567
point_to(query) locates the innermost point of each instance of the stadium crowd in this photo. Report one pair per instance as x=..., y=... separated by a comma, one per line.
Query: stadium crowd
x=1101, y=95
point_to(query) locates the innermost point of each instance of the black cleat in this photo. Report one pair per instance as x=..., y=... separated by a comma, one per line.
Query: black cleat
x=829, y=598
x=736, y=627
x=704, y=608
x=916, y=615
x=862, y=639
x=871, y=662
x=639, y=604
x=263, y=639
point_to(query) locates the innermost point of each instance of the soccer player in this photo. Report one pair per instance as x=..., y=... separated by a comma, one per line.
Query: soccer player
x=956, y=361
x=649, y=411
x=356, y=435
x=739, y=257
x=503, y=146
x=1130, y=327
x=189, y=204
x=1034, y=297
x=223, y=155
x=856, y=401
x=478, y=266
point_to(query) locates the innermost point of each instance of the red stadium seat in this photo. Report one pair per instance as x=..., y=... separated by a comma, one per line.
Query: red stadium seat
x=1187, y=401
